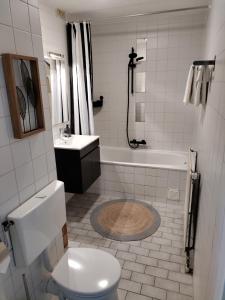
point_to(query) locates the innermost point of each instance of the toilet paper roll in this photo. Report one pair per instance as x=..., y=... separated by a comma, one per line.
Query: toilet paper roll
x=4, y=258
x=4, y=252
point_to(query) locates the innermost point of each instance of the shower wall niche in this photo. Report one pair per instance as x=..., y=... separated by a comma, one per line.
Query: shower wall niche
x=142, y=48
x=140, y=82
x=140, y=86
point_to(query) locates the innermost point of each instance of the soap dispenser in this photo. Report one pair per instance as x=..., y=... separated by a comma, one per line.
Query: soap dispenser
x=67, y=131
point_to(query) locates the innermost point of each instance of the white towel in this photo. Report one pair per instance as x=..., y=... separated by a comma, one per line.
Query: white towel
x=199, y=86
x=189, y=86
x=207, y=76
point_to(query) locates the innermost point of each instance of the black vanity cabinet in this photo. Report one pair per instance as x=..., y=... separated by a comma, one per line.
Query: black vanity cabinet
x=78, y=169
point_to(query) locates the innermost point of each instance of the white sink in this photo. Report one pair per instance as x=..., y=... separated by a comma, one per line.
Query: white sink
x=75, y=142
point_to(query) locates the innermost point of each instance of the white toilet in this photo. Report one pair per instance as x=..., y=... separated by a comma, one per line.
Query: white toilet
x=81, y=273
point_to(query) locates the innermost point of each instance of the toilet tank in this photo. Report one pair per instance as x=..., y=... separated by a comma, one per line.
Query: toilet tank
x=37, y=222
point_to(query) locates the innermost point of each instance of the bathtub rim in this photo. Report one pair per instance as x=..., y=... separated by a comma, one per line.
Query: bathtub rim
x=183, y=168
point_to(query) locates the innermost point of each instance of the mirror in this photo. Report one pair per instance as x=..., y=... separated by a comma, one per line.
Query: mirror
x=57, y=90
x=142, y=48
x=140, y=82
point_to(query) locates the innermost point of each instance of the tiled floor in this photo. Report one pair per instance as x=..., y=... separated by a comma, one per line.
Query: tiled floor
x=152, y=268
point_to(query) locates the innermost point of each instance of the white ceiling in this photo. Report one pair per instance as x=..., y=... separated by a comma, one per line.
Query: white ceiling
x=97, y=9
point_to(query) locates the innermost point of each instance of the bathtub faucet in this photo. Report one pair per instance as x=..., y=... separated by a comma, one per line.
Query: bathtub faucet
x=135, y=142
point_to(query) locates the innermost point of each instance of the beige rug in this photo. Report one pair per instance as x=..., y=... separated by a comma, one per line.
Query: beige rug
x=125, y=220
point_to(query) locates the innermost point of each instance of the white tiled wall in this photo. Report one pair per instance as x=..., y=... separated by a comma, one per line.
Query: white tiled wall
x=174, y=41
x=139, y=183
x=26, y=165
x=209, y=276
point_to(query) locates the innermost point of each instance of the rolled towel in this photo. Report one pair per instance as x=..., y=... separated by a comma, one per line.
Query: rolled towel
x=207, y=76
x=4, y=259
x=199, y=92
x=4, y=252
x=189, y=86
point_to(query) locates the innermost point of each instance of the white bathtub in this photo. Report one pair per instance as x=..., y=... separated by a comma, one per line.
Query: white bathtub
x=141, y=174
x=171, y=160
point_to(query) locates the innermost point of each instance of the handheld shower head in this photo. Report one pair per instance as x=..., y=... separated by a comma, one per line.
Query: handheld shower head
x=133, y=56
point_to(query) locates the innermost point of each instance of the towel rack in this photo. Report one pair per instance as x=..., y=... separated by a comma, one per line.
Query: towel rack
x=205, y=62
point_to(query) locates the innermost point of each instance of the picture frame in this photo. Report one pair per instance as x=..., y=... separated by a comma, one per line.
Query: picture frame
x=24, y=94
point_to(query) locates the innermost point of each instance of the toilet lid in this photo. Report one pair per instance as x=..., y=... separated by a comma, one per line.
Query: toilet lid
x=87, y=272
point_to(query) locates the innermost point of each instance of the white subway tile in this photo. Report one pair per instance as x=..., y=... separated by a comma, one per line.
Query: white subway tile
x=182, y=278
x=6, y=35
x=142, y=278
x=20, y=15
x=41, y=183
x=40, y=167
x=33, y=2
x=6, y=163
x=167, y=284
x=4, y=106
x=155, y=271
x=21, y=153
x=154, y=292
x=5, y=17
x=23, y=42
x=37, y=46
x=35, y=20
x=27, y=192
x=8, y=206
x=24, y=175
x=130, y=285
x=37, y=145
x=8, y=186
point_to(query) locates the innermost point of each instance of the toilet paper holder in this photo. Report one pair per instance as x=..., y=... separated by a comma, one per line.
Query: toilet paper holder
x=4, y=258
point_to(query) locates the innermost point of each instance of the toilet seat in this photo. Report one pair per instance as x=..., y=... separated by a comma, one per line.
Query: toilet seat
x=86, y=272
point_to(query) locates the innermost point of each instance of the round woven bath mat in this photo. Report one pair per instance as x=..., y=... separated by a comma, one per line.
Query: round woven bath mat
x=125, y=220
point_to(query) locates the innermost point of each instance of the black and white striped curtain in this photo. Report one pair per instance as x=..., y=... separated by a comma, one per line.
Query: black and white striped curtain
x=59, y=103
x=81, y=77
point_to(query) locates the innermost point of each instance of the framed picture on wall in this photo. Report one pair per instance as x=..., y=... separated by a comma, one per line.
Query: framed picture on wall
x=24, y=94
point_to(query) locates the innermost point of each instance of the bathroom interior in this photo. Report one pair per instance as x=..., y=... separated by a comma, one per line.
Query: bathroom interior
x=112, y=149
